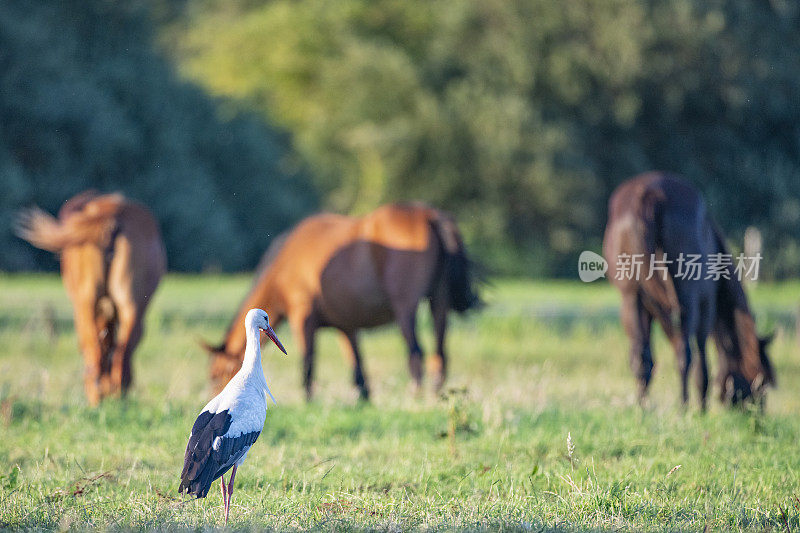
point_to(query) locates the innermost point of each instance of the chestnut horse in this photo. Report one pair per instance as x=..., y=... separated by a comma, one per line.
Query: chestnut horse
x=112, y=259
x=354, y=273
x=662, y=216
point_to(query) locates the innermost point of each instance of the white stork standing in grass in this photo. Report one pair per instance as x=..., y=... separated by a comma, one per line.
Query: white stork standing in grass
x=231, y=422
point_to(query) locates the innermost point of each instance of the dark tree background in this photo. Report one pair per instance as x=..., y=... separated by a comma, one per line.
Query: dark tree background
x=519, y=116
x=87, y=101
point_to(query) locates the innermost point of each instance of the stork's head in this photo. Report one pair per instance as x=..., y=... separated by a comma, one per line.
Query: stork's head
x=258, y=318
x=226, y=358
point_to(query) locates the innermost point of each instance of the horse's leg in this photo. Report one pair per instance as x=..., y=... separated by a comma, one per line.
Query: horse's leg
x=304, y=327
x=105, y=326
x=683, y=353
x=406, y=317
x=127, y=359
x=129, y=332
x=707, y=312
x=637, y=321
x=438, y=363
x=90, y=347
x=682, y=340
x=350, y=349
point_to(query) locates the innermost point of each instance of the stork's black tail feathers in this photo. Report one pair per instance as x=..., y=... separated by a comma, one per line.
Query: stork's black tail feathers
x=199, y=466
x=196, y=487
x=211, y=452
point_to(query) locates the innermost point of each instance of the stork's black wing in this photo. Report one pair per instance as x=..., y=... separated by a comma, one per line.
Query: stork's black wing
x=202, y=463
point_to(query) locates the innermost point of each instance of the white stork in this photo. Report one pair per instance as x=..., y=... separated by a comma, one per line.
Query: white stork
x=232, y=421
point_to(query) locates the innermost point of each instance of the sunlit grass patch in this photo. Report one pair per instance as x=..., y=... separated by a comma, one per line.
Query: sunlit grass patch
x=540, y=429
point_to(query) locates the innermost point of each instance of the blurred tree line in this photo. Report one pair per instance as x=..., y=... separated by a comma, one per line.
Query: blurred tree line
x=519, y=116
x=87, y=101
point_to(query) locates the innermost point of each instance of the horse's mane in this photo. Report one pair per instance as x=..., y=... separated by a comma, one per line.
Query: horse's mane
x=735, y=329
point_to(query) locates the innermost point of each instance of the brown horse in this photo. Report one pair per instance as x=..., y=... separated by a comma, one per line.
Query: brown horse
x=661, y=216
x=112, y=259
x=355, y=273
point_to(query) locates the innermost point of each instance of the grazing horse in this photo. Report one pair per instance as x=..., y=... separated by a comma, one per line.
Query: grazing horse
x=112, y=258
x=658, y=217
x=354, y=273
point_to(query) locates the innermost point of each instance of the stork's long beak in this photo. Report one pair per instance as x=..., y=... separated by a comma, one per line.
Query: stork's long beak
x=274, y=338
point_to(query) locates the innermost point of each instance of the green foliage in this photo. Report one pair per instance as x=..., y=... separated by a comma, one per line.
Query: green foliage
x=518, y=116
x=522, y=116
x=88, y=102
x=547, y=432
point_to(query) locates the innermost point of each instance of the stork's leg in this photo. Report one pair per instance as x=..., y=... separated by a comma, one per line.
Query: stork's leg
x=224, y=488
x=230, y=493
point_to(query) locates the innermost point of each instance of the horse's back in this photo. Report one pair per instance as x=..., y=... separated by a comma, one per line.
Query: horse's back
x=308, y=248
x=662, y=207
x=659, y=213
x=404, y=226
x=128, y=261
x=353, y=268
x=685, y=226
x=405, y=252
x=682, y=226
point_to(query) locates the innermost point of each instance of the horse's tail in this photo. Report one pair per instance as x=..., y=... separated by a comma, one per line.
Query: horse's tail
x=659, y=290
x=41, y=230
x=95, y=226
x=458, y=269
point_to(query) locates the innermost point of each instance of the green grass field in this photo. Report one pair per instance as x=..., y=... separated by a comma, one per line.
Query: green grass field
x=542, y=432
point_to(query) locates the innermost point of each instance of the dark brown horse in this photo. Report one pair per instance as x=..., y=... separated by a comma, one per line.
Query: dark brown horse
x=662, y=216
x=355, y=273
x=112, y=259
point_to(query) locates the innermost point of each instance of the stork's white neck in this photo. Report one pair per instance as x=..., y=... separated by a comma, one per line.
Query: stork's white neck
x=252, y=352
x=251, y=365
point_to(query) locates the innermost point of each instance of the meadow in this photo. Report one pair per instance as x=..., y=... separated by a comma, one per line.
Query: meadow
x=539, y=429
